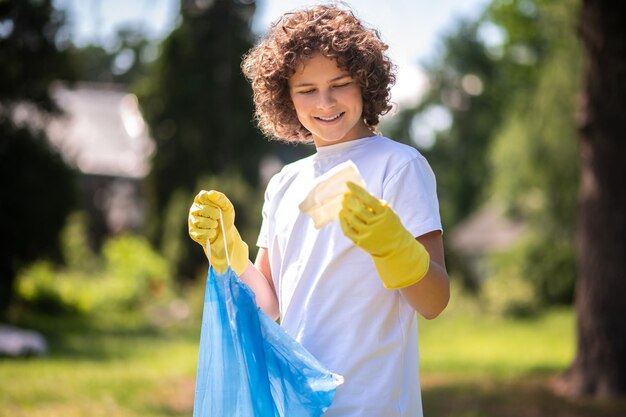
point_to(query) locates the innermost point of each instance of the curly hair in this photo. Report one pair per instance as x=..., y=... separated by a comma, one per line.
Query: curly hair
x=297, y=36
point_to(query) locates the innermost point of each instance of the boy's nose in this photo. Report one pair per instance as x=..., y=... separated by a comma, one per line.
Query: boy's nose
x=326, y=100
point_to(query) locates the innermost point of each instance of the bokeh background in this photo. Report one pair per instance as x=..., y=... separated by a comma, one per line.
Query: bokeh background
x=113, y=114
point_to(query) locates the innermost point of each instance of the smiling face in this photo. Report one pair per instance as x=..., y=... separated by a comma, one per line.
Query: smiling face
x=328, y=102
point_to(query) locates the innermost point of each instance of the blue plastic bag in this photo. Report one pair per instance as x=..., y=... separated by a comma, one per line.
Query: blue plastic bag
x=248, y=366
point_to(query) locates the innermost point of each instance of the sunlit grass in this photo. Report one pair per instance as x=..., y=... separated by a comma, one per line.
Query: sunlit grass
x=464, y=339
x=122, y=365
x=119, y=365
x=475, y=364
x=132, y=386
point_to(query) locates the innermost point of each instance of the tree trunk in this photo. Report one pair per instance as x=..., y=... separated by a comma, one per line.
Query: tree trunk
x=599, y=368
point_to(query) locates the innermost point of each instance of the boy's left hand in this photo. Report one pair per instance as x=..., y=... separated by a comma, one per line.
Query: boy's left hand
x=204, y=228
x=374, y=227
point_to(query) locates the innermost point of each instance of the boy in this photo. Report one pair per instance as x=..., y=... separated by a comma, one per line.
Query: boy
x=347, y=292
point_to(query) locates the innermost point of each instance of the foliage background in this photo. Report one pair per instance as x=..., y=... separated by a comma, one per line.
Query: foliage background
x=496, y=124
x=29, y=166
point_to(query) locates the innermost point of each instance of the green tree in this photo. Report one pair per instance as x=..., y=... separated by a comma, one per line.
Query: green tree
x=127, y=62
x=533, y=152
x=464, y=86
x=468, y=86
x=512, y=140
x=37, y=188
x=199, y=109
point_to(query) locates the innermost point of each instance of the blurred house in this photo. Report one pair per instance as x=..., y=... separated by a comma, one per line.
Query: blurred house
x=486, y=231
x=103, y=135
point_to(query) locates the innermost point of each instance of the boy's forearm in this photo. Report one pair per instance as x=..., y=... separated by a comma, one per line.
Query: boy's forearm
x=264, y=292
x=431, y=294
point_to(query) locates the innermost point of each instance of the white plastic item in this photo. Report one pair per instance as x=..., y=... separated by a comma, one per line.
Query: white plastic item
x=323, y=201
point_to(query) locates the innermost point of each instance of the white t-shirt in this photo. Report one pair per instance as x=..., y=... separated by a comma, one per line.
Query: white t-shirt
x=330, y=296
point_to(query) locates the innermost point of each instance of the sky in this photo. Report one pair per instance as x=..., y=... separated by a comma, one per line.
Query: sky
x=411, y=28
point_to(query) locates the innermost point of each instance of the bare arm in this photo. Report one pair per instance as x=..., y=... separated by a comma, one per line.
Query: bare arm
x=258, y=277
x=431, y=294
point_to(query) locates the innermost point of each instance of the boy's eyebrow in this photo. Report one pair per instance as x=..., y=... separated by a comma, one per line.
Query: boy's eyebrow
x=305, y=84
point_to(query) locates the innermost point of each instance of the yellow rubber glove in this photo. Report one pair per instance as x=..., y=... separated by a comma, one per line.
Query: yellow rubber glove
x=204, y=226
x=374, y=227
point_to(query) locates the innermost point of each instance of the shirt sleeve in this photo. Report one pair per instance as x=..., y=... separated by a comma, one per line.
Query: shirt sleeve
x=412, y=194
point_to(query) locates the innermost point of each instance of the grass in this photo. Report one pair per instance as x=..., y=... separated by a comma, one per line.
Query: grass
x=480, y=365
x=473, y=365
x=468, y=341
x=118, y=365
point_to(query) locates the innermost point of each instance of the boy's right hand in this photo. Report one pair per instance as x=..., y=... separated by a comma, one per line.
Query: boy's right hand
x=400, y=259
x=204, y=227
